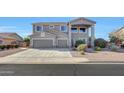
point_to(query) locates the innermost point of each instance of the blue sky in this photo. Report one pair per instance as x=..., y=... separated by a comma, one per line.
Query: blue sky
x=22, y=25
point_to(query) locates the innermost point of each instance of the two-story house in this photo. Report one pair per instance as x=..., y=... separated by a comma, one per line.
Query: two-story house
x=62, y=34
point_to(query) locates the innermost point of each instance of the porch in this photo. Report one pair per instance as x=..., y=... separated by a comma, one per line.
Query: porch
x=81, y=29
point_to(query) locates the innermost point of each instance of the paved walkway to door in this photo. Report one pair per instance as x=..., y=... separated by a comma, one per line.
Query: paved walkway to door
x=42, y=56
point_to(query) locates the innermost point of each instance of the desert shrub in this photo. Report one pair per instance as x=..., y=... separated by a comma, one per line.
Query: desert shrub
x=78, y=42
x=100, y=43
x=81, y=47
x=82, y=52
x=97, y=49
x=113, y=47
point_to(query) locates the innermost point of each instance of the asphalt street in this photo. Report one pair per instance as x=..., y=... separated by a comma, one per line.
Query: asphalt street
x=62, y=70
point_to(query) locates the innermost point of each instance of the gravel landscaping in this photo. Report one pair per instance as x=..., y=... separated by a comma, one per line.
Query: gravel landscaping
x=101, y=56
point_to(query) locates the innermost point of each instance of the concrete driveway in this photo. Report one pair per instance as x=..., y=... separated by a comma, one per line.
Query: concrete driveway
x=42, y=56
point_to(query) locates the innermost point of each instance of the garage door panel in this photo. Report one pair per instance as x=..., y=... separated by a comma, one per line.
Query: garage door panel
x=62, y=43
x=43, y=43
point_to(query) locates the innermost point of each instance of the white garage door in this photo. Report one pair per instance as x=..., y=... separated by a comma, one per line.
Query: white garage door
x=45, y=43
x=62, y=43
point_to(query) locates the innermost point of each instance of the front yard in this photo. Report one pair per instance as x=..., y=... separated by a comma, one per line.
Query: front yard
x=102, y=56
x=6, y=52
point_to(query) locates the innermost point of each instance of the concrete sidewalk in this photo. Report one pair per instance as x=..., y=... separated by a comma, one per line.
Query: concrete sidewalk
x=42, y=60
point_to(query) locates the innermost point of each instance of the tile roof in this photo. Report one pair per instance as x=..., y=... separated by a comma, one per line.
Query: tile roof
x=9, y=35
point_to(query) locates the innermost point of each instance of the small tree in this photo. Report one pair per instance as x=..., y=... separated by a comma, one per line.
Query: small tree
x=116, y=40
x=27, y=40
x=113, y=39
x=100, y=43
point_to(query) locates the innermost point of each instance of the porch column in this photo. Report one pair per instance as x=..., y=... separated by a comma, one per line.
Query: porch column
x=69, y=35
x=33, y=30
x=87, y=36
x=92, y=35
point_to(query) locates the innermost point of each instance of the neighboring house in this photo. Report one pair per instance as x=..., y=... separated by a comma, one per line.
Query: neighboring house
x=62, y=34
x=118, y=33
x=10, y=38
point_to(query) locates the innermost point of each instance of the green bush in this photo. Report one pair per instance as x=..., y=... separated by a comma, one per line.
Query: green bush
x=81, y=47
x=2, y=47
x=100, y=43
x=97, y=49
x=16, y=46
x=78, y=42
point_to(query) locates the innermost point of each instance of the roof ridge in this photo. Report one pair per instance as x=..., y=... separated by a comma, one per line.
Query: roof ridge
x=82, y=18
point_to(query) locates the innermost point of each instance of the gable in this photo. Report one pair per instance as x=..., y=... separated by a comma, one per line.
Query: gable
x=83, y=21
x=119, y=32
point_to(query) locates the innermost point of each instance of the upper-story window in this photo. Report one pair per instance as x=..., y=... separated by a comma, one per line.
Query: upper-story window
x=63, y=28
x=39, y=28
x=51, y=27
x=74, y=30
x=82, y=30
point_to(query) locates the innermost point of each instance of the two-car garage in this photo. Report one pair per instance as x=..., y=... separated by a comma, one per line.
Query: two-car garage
x=49, y=43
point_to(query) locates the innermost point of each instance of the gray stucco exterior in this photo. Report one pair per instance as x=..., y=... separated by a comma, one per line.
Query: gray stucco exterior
x=62, y=34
